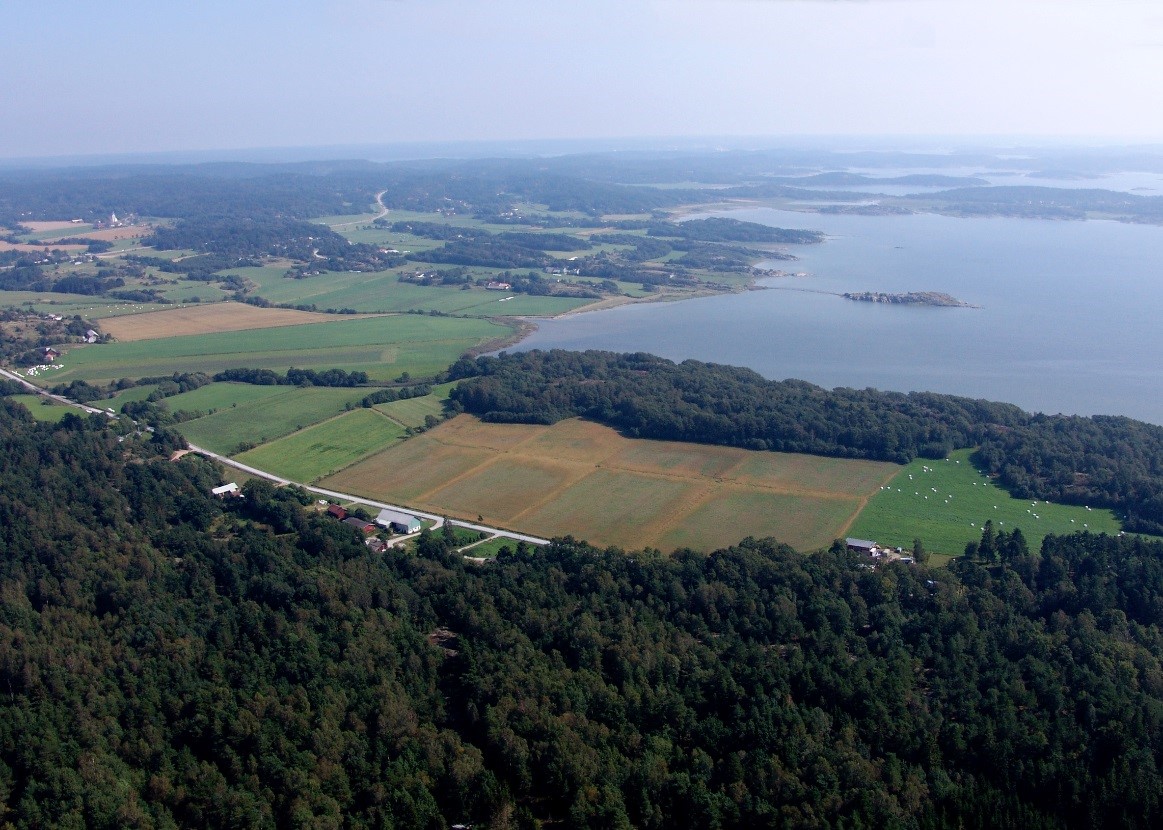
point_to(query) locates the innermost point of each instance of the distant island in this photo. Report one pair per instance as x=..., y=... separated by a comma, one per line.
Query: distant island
x=930, y=298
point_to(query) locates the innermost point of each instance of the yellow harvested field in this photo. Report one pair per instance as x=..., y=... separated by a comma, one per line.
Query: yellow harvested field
x=113, y=234
x=419, y=466
x=57, y=225
x=584, y=479
x=38, y=247
x=469, y=432
x=208, y=319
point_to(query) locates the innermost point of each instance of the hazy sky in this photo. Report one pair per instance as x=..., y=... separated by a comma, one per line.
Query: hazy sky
x=78, y=76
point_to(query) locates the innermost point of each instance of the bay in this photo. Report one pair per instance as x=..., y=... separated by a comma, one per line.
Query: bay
x=1069, y=319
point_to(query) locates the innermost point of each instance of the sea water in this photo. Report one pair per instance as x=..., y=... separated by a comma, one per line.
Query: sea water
x=1069, y=319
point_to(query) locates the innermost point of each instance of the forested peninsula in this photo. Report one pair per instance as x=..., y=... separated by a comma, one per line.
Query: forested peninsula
x=170, y=659
x=1103, y=460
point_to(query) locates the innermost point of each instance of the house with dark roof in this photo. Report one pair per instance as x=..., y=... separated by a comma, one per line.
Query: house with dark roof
x=365, y=527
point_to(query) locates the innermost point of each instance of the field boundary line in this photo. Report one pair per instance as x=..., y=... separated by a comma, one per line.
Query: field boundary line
x=658, y=528
x=336, y=417
x=863, y=503
x=553, y=494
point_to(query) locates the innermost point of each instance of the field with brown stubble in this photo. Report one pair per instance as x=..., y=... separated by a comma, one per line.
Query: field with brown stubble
x=207, y=319
x=586, y=480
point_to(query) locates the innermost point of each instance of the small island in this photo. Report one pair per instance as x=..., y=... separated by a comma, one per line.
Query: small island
x=930, y=298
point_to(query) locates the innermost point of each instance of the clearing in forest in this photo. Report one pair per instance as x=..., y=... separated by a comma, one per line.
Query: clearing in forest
x=584, y=479
x=945, y=503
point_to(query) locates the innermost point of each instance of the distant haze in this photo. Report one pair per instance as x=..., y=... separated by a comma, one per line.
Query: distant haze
x=132, y=76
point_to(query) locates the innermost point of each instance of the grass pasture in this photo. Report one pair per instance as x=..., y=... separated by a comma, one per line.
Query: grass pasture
x=216, y=396
x=489, y=548
x=584, y=479
x=412, y=411
x=327, y=447
x=381, y=346
x=280, y=412
x=68, y=304
x=964, y=500
x=134, y=393
x=51, y=413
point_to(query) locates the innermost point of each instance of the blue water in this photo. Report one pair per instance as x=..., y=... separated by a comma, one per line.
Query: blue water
x=1070, y=317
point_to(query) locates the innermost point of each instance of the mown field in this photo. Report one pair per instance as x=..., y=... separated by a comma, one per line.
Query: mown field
x=207, y=319
x=280, y=411
x=42, y=412
x=384, y=347
x=91, y=308
x=945, y=503
x=324, y=448
x=584, y=479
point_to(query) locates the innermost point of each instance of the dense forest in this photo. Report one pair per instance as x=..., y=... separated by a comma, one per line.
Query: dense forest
x=721, y=229
x=1103, y=461
x=169, y=659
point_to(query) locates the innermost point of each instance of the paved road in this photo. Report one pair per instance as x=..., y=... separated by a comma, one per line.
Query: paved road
x=36, y=390
x=383, y=212
x=439, y=520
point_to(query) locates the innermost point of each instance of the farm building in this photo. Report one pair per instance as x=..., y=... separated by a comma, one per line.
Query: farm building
x=337, y=511
x=861, y=545
x=230, y=489
x=50, y=354
x=364, y=527
x=397, y=521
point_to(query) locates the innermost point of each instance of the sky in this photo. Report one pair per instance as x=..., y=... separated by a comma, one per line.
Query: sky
x=79, y=77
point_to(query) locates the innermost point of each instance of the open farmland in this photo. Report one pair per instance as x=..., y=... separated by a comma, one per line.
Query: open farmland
x=412, y=412
x=207, y=319
x=41, y=411
x=382, y=291
x=48, y=302
x=324, y=448
x=945, y=503
x=584, y=479
x=215, y=396
x=383, y=347
x=284, y=410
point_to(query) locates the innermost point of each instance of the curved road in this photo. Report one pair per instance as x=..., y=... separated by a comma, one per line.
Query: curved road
x=383, y=212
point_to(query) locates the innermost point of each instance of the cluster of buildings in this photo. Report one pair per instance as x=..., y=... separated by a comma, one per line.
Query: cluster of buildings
x=393, y=521
x=876, y=552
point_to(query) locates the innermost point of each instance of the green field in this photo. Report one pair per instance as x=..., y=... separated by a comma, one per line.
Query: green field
x=134, y=393
x=216, y=396
x=265, y=419
x=327, y=447
x=69, y=304
x=964, y=500
x=383, y=291
x=413, y=411
x=490, y=547
x=51, y=413
x=381, y=346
